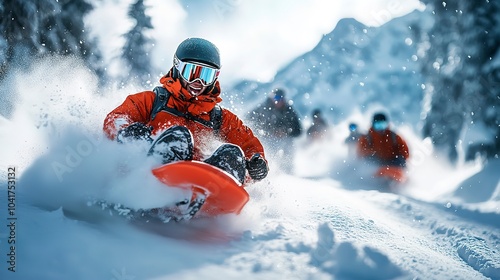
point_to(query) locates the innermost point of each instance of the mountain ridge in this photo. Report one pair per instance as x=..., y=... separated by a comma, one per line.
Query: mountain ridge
x=349, y=64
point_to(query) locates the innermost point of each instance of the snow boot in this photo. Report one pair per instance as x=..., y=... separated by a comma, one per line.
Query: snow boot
x=229, y=158
x=174, y=144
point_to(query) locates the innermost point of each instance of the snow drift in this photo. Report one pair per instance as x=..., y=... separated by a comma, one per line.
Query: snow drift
x=324, y=222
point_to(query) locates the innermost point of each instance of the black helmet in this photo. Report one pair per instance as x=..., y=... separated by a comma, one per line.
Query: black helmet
x=198, y=50
x=379, y=117
x=316, y=113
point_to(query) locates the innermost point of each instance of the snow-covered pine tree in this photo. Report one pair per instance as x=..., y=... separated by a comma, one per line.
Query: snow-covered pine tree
x=31, y=29
x=137, y=48
x=66, y=34
x=481, y=41
x=3, y=45
x=458, y=50
x=20, y=29
x=444, y=119
x=21, y=25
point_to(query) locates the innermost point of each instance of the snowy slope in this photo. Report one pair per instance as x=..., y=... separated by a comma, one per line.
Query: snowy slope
x=293, y=228
x=321, y=223
x=327, y=220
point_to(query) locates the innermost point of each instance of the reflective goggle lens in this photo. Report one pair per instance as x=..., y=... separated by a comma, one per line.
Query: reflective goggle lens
x=380, y=125
x=191, y=72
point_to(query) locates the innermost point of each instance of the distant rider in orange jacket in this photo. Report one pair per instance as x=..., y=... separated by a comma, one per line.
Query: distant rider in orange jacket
x=383, y=146
x=183, y=114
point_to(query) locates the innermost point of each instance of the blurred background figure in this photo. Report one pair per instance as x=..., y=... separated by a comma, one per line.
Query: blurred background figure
x=277, y=124
x=352, y=139
x=382, y=145
x=386, y=149
x=319, y=128
x=354, y=134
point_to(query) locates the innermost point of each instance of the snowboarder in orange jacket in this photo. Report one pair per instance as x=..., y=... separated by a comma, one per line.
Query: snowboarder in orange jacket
x=382, y=145
x=183, y=114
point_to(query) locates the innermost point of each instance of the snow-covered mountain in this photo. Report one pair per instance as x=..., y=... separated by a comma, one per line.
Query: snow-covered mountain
x=326, y=220
x=354, y=67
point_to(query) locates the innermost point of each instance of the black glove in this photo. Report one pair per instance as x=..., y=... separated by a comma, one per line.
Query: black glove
x=135, y=131
x=257, y=167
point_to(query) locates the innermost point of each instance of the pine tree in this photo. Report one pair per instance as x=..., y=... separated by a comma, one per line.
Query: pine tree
x=459, y=48
x=483, y=99
x=20, y=23
x=3, y=46
x=444, y=120
x=137, y=48
x=32, y=29
x=66, y=34
x=20, y=27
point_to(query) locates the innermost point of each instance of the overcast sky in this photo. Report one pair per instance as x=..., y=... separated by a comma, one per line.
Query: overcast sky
x=256, y=38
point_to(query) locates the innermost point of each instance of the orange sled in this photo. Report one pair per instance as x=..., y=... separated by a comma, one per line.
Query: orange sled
x=224, y=194
x=394, y=173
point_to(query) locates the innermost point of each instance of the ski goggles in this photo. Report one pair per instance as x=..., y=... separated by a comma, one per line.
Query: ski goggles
x=278, y=98
x=191, y=72
x=380, y=125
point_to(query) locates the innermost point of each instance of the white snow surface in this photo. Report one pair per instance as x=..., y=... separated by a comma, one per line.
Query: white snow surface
x=326, y=220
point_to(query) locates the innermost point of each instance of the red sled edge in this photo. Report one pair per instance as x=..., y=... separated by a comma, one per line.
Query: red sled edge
x=394, y=173
x=225, y=195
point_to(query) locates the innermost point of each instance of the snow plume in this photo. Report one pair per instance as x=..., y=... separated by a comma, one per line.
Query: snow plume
x=48, y=94
x=80, y=168
x=63, y=156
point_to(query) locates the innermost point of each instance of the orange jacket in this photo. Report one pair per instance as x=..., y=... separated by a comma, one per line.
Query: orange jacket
x=137, y=108
x=385, y=145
